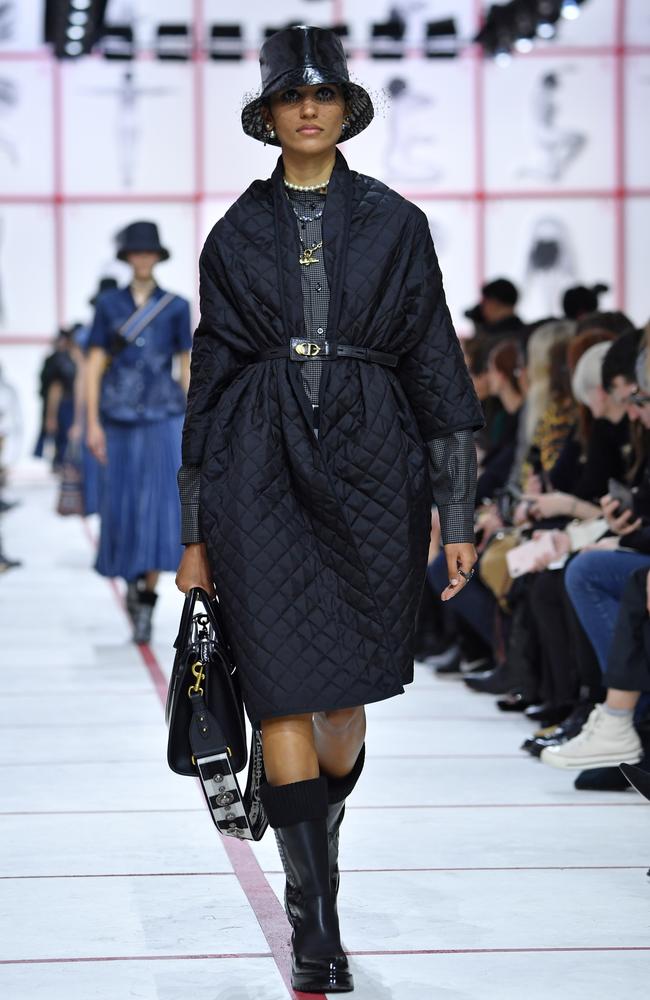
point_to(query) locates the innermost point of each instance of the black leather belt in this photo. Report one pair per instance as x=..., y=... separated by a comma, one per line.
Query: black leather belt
x=300, y=349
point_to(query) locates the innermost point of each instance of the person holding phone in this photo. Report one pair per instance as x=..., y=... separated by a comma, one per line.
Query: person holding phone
x=596, y=581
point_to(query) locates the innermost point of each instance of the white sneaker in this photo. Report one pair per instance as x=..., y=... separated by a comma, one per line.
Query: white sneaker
x=604, y=740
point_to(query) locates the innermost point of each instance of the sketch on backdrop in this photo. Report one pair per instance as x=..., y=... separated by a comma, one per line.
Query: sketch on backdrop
x=2, y=298
x=128, y=125
x=550, y=266
x=555, y=145
x=409, y=153
x=8, y=102
x=7, y=20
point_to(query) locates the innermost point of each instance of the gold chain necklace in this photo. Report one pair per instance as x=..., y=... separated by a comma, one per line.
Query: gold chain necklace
x=307, y=255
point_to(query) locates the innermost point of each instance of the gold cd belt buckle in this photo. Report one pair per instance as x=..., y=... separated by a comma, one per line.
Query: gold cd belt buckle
x=302, y=350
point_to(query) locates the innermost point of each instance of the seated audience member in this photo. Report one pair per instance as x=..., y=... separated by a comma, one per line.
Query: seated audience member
x=505, y=373
x=550, y=409
x=596, y=579
x=495, y=315
x=615, y=322
x=579, y=301
x=609, y=736
x=476, y=351
x=602, y=452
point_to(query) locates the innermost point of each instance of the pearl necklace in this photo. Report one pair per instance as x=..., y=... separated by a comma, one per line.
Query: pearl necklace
x=300, y=187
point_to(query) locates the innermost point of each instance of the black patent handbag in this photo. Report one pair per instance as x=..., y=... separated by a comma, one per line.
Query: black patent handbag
x=205, y=719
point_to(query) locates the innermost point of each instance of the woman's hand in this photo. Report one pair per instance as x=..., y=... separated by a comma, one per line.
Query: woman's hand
x=608, y=544
x=96, y=441
x=547, y=505
x=461, y=559
x=561, y=547
x=620, y=524
x=194, y=570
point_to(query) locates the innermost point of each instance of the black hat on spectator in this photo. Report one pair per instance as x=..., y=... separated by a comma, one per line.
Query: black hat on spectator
x=140, y=237
x=105, y=285
x=580, y=300
x=502, y=290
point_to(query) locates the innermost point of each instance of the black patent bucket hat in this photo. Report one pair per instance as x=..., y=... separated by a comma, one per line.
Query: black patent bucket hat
x=140, y=237
x=303, y=56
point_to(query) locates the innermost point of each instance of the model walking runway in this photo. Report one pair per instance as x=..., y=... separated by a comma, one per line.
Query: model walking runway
x=449, y=841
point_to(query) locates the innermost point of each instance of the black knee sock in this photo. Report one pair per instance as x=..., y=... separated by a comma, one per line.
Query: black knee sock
x=338, y=789
x=286, y=805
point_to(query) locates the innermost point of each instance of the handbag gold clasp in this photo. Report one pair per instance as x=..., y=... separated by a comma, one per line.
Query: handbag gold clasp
x=199, y=673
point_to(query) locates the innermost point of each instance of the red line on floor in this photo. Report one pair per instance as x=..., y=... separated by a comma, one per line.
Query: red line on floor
x=263, y=901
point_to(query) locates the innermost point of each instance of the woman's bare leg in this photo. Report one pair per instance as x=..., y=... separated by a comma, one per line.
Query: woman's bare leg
x=289, y=750
x=300, y=747
x=338, y=738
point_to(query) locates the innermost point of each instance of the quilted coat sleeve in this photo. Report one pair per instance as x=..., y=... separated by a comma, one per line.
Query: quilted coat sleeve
x=438, y=386
x=433, y=371
x=214, y=362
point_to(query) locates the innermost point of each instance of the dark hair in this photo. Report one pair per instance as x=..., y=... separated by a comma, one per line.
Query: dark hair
x=502, y=290
x=620, y=359
x=613, y=322
x=506, y=358
x=477, y=350
x=579, y=300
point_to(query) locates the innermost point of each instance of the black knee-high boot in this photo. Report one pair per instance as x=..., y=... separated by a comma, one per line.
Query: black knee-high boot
x=298, y=814
x=338, y=790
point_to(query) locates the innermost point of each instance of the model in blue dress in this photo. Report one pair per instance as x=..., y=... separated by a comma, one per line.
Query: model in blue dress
x=135, y=409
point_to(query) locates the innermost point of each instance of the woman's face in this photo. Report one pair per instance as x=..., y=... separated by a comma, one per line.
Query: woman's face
x=143, y=263
x=308, y=120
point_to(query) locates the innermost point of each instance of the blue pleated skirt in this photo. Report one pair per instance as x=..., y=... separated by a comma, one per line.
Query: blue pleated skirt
x=140, y=509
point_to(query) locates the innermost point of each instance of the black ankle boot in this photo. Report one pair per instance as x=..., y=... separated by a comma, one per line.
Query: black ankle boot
x=142, y=615
x=133, y=590
x=298, y=814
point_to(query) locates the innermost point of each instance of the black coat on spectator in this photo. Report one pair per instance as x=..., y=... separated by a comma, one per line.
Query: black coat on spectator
x=319, y=545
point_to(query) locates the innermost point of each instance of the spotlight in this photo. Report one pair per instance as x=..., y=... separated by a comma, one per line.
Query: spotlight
x=441, y=39
x=524, y=45
x=225, y=42
x=388, y=38
x=73, y=26
x=173, y=41
x=570, y=10
x=546, y=30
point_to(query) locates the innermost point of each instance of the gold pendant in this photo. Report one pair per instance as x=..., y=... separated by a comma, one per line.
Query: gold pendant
x=307, y=257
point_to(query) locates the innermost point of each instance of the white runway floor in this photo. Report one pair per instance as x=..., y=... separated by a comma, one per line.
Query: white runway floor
x=470, y=871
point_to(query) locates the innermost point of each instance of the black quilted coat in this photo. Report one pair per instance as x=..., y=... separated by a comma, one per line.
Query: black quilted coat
x=319, y=545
